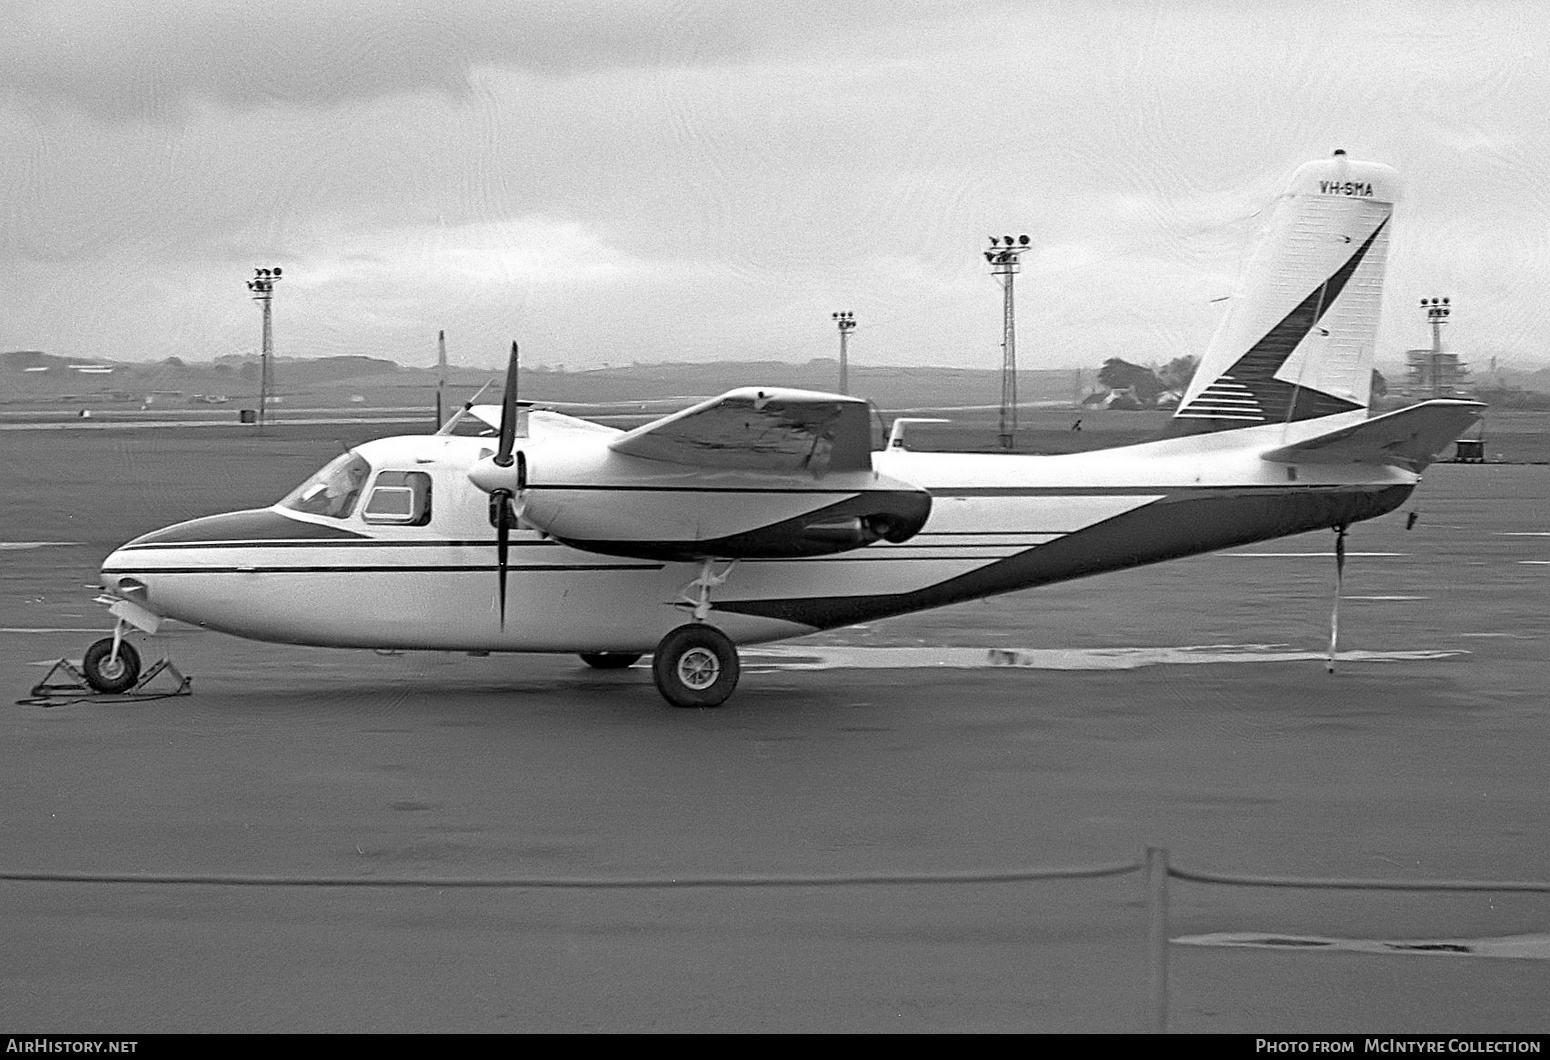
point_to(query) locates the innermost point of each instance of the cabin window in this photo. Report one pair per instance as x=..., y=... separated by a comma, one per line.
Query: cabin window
x=400, y=497
x=334, y=490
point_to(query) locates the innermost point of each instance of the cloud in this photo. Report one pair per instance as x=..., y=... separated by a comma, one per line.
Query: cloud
x=121, y=60
x=661, y=180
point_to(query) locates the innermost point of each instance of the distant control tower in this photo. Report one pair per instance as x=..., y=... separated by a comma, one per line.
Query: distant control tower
x=1435, y=372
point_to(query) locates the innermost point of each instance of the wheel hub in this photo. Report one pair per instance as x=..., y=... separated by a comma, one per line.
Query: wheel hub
x=698, y=668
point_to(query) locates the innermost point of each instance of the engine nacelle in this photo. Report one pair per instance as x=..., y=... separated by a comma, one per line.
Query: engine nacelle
x=724, y=523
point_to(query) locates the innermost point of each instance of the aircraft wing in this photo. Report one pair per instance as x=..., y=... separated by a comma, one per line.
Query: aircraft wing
x=757, y=473
x=542, y=420
x=1410, y=438
x=761, y=429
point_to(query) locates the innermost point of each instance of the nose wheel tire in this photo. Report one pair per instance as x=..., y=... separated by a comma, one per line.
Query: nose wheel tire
x=609, y=660
x=696, y=666
x=107, y=674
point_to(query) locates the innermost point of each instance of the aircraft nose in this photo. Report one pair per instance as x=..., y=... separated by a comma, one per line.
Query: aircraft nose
x=128, y=568
x=112, y=577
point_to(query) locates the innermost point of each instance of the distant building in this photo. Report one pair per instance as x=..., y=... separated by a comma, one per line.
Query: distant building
x=1122, y=398
x=1432, y=373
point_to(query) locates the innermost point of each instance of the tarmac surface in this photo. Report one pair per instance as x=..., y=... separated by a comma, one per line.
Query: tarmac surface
x=1421, y=757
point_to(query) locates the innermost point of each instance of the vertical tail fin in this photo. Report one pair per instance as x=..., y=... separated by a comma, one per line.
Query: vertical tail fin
x=1298, y=339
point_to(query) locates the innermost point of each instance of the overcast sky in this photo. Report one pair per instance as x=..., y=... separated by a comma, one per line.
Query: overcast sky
x=659, y=181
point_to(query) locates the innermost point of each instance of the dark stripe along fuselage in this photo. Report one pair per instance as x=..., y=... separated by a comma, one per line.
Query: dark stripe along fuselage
x=1183, y=523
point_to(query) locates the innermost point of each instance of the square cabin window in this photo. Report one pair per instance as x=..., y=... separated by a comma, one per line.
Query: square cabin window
x=400, y=497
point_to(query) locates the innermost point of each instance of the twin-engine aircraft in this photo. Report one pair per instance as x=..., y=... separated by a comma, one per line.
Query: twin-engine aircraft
x=764, y=513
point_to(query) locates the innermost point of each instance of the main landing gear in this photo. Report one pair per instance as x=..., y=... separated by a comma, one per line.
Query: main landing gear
x=696, y=664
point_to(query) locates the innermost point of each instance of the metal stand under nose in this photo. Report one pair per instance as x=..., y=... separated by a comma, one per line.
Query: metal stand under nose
x=65, y=679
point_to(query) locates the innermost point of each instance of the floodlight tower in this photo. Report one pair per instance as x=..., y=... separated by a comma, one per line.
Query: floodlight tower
x=262, y=286
x=1437, y=316
x=846, y=322
x=1003, y=256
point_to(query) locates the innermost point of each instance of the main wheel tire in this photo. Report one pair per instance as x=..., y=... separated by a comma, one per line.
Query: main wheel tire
x=106, y=674
x=610, y=660
x=695, y=666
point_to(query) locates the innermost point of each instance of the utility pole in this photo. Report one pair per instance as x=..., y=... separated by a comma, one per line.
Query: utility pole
x=846, y=321
x=1003, y=257
x=441, y=367
x=1437, y=316
x=262, y=286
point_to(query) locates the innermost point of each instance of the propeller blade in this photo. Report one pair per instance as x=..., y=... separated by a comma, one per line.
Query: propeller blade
x=508, y=438
x=502, y=500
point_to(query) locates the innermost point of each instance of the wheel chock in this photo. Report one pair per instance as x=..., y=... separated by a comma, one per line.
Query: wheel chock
x=62, y=678
x=170, y=674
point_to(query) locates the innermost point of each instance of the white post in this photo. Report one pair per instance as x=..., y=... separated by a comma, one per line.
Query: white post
x=1157, y=934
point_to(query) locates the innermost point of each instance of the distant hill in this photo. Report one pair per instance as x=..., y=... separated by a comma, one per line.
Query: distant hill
x=32, y=376
x=335, y=368
x=379, y=382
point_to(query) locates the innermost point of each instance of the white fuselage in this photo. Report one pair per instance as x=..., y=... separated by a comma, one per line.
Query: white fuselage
x=998, y=523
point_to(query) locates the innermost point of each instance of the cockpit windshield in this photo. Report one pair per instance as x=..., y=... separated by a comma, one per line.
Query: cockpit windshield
x=334, y=490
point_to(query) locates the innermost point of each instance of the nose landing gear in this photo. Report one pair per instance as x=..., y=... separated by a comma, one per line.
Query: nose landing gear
x=111, y=665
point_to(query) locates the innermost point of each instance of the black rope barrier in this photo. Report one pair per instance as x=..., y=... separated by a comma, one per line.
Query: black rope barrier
x=580, y=883
x=1155, y=867
x=1529, y=886
x=707, y=882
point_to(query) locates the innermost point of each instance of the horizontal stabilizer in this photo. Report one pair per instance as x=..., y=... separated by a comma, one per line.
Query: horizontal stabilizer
x=1410, y=438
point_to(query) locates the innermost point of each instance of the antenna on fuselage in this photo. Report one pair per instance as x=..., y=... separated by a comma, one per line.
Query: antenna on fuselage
x=457, y=417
